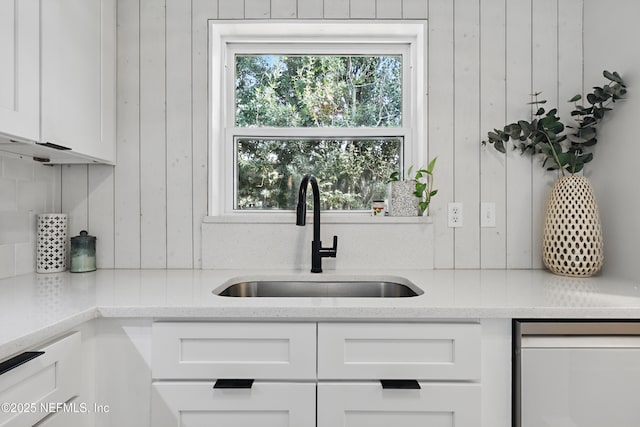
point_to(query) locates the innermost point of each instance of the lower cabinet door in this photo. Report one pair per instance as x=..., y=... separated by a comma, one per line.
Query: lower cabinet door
x=367, y=404
x=70, y=416
x=265, y=404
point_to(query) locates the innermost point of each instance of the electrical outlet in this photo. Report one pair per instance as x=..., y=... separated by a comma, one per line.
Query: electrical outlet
x=487, y=214
x=455, y=217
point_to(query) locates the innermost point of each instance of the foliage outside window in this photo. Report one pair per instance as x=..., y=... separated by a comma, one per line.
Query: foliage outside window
x=339, y=117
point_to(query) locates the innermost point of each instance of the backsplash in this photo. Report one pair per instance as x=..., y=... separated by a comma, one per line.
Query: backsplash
x=27, y=188
x=284, y=246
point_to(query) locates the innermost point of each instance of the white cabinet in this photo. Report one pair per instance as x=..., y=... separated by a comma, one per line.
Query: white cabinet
x=210, y=353
x=422, y=356
x=367, y=404
x=19, y=73
x=58, y=93
x=442, y=359
x=78, y=76
x=194, y=350
x=434, y=351
x=49, y=378
x=265, y=404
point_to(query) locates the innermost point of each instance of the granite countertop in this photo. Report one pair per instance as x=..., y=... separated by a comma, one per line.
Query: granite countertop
x=36, y=307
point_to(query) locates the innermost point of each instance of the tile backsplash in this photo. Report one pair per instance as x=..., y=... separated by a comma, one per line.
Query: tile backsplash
x=27, y=188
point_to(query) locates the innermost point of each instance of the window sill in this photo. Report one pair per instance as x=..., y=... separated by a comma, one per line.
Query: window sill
x=327, y=218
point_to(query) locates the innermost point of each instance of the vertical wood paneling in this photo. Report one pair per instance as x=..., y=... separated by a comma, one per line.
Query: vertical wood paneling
x=441, y=124
x=545, y=79
x=569, y=55
x=493, y=245
x=283, y=9
x=483, y=53
x=202, y=10
x=74, y=197
x=179, y=141
x=414, y=9
x=518, y=190
x=390, y=9
x=336, y=9
x=127, y=171
x=467, y=125
x=101, y=213
x=362, y=9
x=230, y=9
x=257, y=9
x=310, y=9
x=153, y=147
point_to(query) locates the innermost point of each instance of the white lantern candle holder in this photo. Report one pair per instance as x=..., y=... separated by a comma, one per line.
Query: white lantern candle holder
x=51, y=243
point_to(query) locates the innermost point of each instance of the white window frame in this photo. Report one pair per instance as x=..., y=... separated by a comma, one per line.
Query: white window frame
x=375, y=37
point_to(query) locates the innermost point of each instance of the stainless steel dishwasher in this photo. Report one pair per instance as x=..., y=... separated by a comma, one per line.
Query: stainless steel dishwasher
x=576, y=374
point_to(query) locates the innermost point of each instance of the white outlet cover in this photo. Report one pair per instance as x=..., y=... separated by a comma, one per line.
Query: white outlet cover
x=455, y=215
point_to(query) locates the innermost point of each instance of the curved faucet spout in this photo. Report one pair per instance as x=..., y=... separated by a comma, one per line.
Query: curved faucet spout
x=317, y=251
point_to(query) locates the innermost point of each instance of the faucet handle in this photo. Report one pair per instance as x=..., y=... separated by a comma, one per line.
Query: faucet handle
x=334, y=249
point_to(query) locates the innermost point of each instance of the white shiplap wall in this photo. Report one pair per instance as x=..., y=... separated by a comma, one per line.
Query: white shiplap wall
x=484, y=58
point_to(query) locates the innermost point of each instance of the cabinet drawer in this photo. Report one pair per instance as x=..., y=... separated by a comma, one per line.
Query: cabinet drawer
x=52, y=377
x=367, y=404
x=199, y=350
x=399, y=351
x=264, y=404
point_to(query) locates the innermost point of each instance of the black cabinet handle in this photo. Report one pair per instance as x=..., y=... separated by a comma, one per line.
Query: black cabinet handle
x=18, y=360
x=234, y=383
x=400, y=384
x=54, y=146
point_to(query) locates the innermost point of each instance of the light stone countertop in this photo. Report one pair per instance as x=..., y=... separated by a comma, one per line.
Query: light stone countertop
x=37, y=307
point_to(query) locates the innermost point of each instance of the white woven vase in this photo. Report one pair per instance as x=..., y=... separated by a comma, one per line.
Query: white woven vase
x=572, y=242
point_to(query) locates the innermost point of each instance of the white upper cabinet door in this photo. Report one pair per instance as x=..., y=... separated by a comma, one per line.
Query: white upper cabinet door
x=19, y=73
x=78, y=76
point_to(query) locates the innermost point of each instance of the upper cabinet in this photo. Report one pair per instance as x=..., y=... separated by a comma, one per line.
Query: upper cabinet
x=78, y=76
x=19, y=73
x=74, y=82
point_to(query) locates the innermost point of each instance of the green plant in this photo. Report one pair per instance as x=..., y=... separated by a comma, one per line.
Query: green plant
x=424, y=184
x=547, y=136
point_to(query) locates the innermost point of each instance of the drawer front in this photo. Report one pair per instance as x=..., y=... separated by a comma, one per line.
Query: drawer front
x=201, y=350
x=399, y=351
x=264, y=404
x=367, y=404
x=53, y=377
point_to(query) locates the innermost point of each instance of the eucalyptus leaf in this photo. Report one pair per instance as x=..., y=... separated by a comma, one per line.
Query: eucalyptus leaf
x=614, y=77
x=576, y=98
x=576, y=139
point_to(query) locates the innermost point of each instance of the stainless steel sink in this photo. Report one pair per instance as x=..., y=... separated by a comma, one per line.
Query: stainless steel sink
x=313, y=288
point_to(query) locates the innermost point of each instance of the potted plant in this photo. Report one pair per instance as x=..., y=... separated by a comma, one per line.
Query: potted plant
x=572, y=242
x=412, y=197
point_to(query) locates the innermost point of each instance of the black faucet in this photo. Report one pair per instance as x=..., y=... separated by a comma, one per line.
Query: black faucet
x=317, y=251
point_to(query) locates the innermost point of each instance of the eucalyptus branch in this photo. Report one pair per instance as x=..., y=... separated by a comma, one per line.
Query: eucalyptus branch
x=572, y=157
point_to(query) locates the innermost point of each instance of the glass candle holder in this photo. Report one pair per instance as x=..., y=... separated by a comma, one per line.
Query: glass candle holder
x=83, y=253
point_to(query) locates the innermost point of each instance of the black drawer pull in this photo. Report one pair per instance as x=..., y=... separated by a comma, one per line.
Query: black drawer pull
x=54, y=146
x=400, y=384
x=233, y=383
x=18, y=360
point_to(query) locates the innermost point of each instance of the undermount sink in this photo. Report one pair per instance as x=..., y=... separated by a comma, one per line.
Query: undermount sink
x=318, y=288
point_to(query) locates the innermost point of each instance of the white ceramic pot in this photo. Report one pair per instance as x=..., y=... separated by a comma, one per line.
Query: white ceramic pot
x=402, y=202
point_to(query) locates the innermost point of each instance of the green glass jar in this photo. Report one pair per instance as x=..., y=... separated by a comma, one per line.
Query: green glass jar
x=83, y=253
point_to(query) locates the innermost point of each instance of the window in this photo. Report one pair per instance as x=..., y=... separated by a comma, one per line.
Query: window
x=287, y=101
